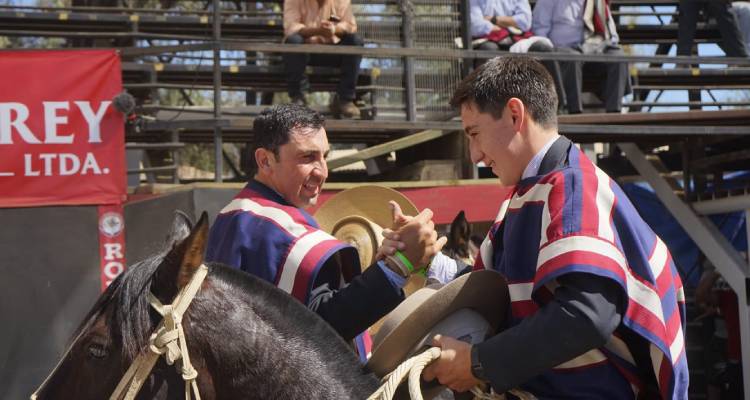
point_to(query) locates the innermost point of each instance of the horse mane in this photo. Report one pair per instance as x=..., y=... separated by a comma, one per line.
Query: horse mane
x=132, y=323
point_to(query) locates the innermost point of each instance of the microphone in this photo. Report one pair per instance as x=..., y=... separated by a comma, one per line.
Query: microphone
x=124, y=103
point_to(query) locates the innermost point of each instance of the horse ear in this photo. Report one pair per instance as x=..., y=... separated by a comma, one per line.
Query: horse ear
x=181, y=227
x=194, y=247
x=178, y=267
x=459, y=226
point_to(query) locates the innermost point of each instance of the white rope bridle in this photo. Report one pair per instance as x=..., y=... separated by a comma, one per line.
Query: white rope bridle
x=167, y=340
x=414, y=366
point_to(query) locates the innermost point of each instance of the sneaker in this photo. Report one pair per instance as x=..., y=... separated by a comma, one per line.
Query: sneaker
x=299, y=100
x=344, y=109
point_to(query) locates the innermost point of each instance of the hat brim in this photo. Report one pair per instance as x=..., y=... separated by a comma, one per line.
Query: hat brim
x=484, y=291
x=368, y=201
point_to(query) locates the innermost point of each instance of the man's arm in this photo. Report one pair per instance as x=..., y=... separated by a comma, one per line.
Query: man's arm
x=377, y=290
x=355, y=307
x=479, y=26
x=521, y=17
x=347, y=24
x=583, y=313
x=293, y=23
x=292, y=17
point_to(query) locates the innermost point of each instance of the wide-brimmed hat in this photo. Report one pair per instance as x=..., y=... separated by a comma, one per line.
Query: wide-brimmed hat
x=404, y=330
x=358, y=216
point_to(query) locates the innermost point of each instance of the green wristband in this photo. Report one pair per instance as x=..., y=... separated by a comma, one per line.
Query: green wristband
x=408, y=264
x=405, y=260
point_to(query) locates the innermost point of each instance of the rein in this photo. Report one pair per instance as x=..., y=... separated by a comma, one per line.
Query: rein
x=413, y=368
x=167, y=340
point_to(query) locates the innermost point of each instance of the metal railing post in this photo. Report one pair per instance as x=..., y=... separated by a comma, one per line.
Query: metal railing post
x=219, y=163
x=465, y=35
x=407, y=15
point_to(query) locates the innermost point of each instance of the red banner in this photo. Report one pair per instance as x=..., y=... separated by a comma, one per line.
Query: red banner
x=111, y=243
x=61, y=141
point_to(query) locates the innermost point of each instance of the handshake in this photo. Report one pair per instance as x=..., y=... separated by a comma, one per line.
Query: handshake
x=411, y=242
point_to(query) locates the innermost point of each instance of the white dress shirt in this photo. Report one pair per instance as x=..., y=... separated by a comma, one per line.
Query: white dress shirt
x=533, y=167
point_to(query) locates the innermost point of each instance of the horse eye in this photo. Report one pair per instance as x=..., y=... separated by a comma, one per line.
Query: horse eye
x=97, y=350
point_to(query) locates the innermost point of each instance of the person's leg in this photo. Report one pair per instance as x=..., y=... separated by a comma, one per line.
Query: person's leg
x=342, y=105
x=349, y=65
x=686, y=25
x=741, y=10
x=554, y=69
x=294, y=67
x=732, y=41
x=614, y=86
x=572, y=81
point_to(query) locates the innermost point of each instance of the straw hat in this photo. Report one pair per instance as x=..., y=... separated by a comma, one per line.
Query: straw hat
x=358, y=216
x=413, y=323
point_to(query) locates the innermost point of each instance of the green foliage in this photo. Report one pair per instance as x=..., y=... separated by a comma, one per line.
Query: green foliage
x=200, y=156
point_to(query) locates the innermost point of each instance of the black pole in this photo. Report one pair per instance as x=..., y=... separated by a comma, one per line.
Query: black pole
x=219, y=164
x=466, y=34
x=407, y=15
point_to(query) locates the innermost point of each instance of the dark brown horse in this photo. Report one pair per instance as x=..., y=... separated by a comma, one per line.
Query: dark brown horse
x=246, y=338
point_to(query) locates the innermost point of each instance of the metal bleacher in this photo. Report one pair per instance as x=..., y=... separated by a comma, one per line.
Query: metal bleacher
x=266, y=25
x=113, y=26
x=407, y=76
x=150, y=40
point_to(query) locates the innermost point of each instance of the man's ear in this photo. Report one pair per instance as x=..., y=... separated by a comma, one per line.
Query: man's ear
x=262, y=158
x=517, y=112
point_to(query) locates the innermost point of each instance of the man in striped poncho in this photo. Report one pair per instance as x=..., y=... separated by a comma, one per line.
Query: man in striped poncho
x=597, y=307
x=265, y=230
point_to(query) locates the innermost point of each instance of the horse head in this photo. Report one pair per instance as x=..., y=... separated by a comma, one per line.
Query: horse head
x=117, y=328
x=245, y=338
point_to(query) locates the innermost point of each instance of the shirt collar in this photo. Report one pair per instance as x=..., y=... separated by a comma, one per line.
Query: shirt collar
x=533, y=167
x=267, y=192
x=270, y=194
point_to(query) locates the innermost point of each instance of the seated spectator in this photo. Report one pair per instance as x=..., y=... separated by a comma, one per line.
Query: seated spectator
x=741, y=11
x=506, y=25
x=731, y=40
x=498, y=24
x=583, y=27
x=322, y=22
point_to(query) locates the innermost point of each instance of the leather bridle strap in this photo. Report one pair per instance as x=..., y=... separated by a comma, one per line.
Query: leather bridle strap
x=167, y=340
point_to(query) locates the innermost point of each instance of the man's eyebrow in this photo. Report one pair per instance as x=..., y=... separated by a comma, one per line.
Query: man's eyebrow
x=306, y=152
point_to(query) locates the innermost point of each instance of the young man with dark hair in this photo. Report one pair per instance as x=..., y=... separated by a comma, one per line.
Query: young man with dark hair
x=265, y=230
x=597, y=308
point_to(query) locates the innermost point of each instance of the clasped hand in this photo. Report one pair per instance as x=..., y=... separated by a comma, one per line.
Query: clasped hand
x=327, y=29
x=414, y=236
